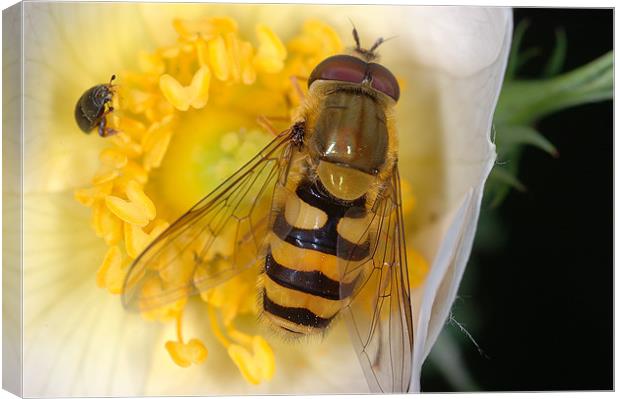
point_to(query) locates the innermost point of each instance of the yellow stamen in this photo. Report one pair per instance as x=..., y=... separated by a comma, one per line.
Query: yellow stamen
x=111, y=273
x=238, y=336
x=245, y=363
x=105, y=224
x=135, y=171
x=181, y=97
x=206, y=28
x=185, y=354
x=180, y=275
x=87, y=196
x=199, y=88
x=136, y=239
x=155, y=155
x=105, y=175
x=137, y=196
x=257, y=366
x=232, y=46
x=154, y=306
x=271, y=51
x=316, y=38
x=170, y=52
x=246, y=56
x=113, y=157
x=135, y=129
x=151, y=63
x=124, y=142
x=418, y=268
x=264, y=357
x=155, y=142
x=180, y=326
x=218, y=58
x=215, y=327
x=408, y=198
x=129, y=212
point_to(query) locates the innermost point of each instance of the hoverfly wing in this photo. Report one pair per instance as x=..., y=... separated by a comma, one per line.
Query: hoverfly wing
x=219, y=237
x=378, y=310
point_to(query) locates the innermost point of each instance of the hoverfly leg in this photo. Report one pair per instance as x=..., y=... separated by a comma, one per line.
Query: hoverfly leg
x=266, y=124
x=297, y=87
x=198, y=260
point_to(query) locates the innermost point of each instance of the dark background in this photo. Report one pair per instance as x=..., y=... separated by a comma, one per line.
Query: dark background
x=540, y=301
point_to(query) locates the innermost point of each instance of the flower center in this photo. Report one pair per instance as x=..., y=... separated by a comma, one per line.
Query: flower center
x=208, y=146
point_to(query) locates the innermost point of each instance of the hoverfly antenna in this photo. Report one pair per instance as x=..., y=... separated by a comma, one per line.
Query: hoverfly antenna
x=356, y=37
x=112, y=78
x=367, y=54
x=377, y=44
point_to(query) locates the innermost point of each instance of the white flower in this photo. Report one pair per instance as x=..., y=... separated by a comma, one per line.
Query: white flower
x=77, y=338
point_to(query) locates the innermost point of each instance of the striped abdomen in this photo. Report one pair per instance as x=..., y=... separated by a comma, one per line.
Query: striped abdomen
x=303, y=286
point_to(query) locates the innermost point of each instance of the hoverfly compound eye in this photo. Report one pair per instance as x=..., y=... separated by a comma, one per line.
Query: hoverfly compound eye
x=344, y=68
x=384, y=81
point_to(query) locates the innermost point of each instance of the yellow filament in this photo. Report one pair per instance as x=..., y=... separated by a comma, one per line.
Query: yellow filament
x=179, y=323
x=238, y=336
x=215, y=327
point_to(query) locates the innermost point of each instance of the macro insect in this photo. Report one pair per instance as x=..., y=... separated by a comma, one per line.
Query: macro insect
x=93, y=107
x=318, y=211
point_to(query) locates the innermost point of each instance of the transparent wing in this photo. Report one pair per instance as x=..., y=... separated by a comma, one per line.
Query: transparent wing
x=219, y=237
x=378, y=314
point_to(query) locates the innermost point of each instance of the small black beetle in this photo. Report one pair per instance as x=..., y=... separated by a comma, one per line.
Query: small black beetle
x=92, y=108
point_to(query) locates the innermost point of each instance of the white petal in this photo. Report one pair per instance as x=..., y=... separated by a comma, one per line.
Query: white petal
x=78, y=340
x=424, y=299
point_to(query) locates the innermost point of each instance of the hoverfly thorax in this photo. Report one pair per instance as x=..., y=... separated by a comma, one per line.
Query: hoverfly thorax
x=349, y=137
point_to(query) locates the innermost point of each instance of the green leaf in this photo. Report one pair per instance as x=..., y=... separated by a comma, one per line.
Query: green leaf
x=512, y=136
x=513, y=59
x=447, y=356
x=556, y=61
x=501, y=181
x=508, y=178
x=523, y=102
x=527, y=55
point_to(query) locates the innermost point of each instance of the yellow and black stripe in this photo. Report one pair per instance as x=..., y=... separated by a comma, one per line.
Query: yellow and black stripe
x=303, y=288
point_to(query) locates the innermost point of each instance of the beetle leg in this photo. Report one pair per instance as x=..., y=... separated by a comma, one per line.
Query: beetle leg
x=105, y=131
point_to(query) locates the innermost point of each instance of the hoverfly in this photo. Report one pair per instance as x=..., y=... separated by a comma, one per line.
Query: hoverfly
x=318, y=210
x=92, y=108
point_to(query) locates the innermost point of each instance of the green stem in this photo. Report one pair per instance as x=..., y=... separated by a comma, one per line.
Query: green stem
x=522, y=102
